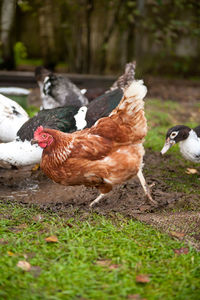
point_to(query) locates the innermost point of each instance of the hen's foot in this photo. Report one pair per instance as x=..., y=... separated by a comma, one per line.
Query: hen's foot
x=146, y=188
x=95, y=201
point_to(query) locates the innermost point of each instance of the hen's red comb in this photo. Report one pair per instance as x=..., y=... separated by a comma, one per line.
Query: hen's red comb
x=38, y=130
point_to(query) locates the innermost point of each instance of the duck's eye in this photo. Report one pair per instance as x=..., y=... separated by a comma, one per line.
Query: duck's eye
x=173, y=134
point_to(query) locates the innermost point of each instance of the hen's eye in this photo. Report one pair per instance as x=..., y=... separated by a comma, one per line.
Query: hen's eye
x=44, y=135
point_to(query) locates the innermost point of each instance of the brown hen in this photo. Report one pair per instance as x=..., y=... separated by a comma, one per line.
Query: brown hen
x=108, y=153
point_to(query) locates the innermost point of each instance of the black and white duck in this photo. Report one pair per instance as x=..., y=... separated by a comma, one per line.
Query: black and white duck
x=188, y=139
x=57, y=90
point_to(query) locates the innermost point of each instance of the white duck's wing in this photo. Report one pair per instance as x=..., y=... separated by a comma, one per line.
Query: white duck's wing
x=18, y=153
x=12, y=117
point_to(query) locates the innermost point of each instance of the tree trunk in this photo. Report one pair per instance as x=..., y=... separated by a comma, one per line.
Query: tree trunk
x=90, y=7
x=139, y=30
x=8, y=10
x=108, y=35
x=47, y=36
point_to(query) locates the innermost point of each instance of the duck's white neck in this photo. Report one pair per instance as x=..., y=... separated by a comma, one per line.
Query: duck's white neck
x=190, y=147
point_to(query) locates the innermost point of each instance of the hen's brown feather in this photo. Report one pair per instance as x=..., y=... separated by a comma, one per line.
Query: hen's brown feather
x=106, y=154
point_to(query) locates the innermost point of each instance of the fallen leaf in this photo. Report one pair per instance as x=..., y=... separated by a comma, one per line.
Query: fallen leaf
x=113, y=266
x=18, y=228
x=11, y=253
x=104, y=262
x=35, y=168
x=69, y=225
x=24, y=265
x=35, y=270
x=142, y=278
x=29, y=255
x=191, y=171
x=107, y=263
x=38, y=218
x=144, y=208
x=181, y=251
x=52, y=239
x=22, y=226
x=177, y=234
x=2, y=241
x=135, y=297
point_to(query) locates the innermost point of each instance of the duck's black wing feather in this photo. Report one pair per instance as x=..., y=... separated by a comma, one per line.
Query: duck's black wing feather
x=60, y=118
x=102, y=106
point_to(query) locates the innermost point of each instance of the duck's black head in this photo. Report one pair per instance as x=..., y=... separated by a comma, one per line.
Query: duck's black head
x=174, y=135
x=40, y=73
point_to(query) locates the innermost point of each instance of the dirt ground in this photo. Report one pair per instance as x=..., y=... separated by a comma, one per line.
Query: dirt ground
x=176, y=211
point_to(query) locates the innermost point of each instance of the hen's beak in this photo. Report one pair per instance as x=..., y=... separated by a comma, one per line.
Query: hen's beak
x=168, y=144
x=34, y=141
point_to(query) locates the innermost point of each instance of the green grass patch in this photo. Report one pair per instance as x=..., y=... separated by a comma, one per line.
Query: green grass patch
x=71, y=268
x=22, y=100
x=160, y=116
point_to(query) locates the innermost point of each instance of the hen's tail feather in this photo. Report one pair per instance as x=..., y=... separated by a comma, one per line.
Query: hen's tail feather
x=132, y=100
x=130, y=110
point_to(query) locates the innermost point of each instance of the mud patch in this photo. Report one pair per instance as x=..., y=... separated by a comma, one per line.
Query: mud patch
x=34, y=188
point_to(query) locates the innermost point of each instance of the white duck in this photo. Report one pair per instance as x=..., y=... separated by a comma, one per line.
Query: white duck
x=12, y=117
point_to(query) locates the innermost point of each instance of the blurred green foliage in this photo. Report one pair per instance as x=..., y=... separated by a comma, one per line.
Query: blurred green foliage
x=100, y=36
x=20, y=52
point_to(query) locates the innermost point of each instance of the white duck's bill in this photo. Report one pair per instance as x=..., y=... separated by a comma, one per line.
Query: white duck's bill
x=167, y=146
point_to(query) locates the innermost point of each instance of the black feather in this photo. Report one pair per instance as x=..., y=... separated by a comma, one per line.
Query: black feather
x=197, y=130
x=102, y=106
x=60, y=118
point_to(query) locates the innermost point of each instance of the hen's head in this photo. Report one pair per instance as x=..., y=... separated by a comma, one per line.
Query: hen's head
x=42, y=138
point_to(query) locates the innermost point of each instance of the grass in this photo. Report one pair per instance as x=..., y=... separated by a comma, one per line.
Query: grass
x=159, y=121
x=22, y=100
x=97, y=258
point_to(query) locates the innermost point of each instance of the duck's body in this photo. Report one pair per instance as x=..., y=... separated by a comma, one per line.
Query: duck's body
x=60, y=118
x=19, y=153
x=57, y=90
x=188, y=139
x=12, y=117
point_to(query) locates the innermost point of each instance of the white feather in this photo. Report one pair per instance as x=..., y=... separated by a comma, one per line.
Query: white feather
x=18, y=153
x=137, y=89
x=80, y=118
x=190, y=147
x=12, y=117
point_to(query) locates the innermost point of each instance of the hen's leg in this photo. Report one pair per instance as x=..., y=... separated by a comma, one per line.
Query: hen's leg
x=145, y=187
x=104, y=189
x=97, y=199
